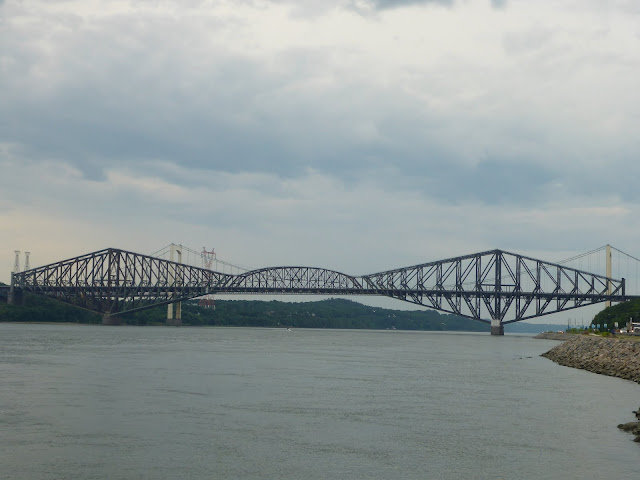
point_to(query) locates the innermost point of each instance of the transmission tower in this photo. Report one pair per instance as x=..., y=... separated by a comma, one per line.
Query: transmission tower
x=26, y=260
x=208, y=258
x=16, y=264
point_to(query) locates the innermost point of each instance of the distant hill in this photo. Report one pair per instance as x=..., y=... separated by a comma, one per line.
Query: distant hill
x=41, y=309
x=331, y=313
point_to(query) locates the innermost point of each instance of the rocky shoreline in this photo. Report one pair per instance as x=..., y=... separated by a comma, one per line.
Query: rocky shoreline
x=613, y=356
x=632, y=427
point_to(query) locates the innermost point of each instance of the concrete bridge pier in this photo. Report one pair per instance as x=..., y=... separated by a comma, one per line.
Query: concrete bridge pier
x=111, y=320
x=174, y=319
x=15, y=297
x=496, y=327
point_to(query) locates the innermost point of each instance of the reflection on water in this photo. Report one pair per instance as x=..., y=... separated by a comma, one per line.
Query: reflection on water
x=230, y=403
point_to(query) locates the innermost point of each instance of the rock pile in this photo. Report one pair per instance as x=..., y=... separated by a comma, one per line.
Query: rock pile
x=633, y=427
x=616, y=357
x=554, y=336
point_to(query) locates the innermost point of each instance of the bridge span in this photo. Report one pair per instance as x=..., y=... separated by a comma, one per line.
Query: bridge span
x=494, y=286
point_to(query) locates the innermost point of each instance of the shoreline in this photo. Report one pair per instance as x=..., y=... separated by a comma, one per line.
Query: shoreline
x=617, y=356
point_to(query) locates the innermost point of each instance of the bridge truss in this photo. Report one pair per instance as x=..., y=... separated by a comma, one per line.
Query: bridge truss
x=496, y=285
x=113, y=281
x=493, y=286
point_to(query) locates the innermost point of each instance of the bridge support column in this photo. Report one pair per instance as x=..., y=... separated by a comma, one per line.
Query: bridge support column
x=174, y=320
x=496, y=327
x=15, y=295
x=111, y=320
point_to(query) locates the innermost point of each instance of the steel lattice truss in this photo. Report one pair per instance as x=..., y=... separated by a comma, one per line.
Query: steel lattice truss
x=496, y=285
x=293, y=280
x=114, y=281
x=489, y=285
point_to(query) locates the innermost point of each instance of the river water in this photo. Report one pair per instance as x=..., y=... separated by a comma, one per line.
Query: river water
x=95, y=402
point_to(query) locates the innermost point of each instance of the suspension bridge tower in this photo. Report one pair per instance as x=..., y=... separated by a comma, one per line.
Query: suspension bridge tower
x=16, y=263
x=208, y=258
x=16, y=296
x=175, y=255
x=609, y=272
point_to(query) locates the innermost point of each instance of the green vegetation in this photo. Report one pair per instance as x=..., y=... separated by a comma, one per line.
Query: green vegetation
x=332, y=313
x=575, y=330
x=41, y=309
x=621, y=313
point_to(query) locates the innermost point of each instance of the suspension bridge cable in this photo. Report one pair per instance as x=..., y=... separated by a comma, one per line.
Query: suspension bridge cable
x=198, y=258
x=582, y=255
x=624, y=253
x=160, y=252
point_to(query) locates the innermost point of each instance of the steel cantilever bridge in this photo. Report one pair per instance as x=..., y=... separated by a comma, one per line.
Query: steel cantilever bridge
x=495, y=286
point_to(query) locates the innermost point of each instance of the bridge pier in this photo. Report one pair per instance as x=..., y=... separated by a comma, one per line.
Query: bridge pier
x=174, y=320
x=111, y=320
x=496, y=327
x=15, y=297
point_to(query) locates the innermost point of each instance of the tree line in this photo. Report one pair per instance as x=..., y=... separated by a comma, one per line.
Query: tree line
x=330, y=313
x=619, y=313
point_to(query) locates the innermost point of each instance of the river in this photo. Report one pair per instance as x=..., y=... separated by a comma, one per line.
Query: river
x=96, y=402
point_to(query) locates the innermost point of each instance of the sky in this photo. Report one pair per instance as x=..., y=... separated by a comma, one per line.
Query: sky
x=355, y=135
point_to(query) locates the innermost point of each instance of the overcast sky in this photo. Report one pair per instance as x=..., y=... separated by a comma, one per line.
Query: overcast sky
x=357, y=135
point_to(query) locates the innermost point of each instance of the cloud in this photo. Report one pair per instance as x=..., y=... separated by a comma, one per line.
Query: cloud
x=290, y=102
x=382, y=5
x=248, y=209
x=389, y=4
x=312, y=133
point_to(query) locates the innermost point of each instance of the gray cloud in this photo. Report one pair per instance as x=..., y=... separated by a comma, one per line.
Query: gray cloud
x=391, y=4
x=326, y=133
x=238, y=115
x=388, y=4
x=252, y=120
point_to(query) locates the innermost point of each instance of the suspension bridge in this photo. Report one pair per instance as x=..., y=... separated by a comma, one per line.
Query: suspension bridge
x=495, y=286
